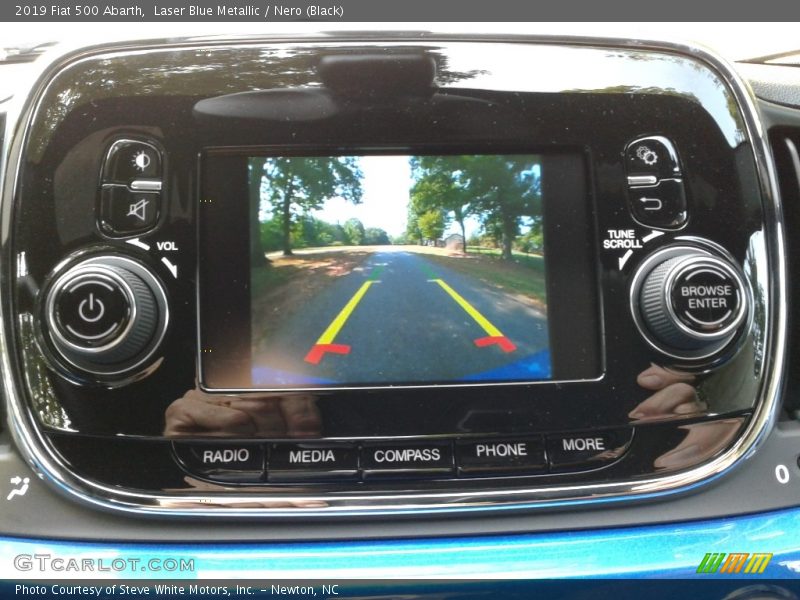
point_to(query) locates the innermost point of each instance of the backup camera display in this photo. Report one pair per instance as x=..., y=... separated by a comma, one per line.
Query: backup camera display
x=397, y=270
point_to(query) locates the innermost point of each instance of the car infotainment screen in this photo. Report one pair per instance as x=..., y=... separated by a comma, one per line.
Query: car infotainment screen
x=335, y=270
x=397, y=269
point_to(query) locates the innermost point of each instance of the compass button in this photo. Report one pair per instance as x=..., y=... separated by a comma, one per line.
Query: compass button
x=129, y=160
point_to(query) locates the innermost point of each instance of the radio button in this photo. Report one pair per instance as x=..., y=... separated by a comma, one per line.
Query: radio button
x=125, y=212
x=584, y=451
x=411, y=460
x=501, y=456
x=662, y=205
x=127, y=160
x=234, y=462
x=653, y=155
x=311, y=462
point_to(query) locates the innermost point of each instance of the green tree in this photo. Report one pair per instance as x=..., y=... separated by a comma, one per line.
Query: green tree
x=441, y=182
x=431, y=224
x=305, y=232
x=373, y=236
x=257, y=247
x=354, y=230
x=295, y=185
x=412, y=233
x=271, y=236
x=505, y=188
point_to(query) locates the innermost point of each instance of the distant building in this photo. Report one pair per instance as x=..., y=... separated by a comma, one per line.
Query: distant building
x=454, y=241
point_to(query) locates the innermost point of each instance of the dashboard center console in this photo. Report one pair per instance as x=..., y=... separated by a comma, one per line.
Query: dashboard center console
x=341, y=276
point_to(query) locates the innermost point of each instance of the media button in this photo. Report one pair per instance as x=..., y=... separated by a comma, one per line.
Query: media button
x=239, y=462
x=587, y=450
x=412, y=459
x=312, y=462
x=515, y=456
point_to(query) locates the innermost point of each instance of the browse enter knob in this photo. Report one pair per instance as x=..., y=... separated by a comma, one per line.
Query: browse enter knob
x=693, y=301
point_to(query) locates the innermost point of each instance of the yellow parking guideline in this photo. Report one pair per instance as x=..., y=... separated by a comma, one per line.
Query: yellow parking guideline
x=490, y=329
x=336, y=325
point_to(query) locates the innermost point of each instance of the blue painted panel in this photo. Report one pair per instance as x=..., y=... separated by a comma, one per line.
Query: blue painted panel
x=673, y=550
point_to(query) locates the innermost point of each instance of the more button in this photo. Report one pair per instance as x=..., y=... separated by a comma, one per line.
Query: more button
x=589, y=450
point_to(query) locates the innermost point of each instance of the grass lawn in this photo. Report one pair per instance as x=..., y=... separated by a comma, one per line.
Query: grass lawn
x=524, y=276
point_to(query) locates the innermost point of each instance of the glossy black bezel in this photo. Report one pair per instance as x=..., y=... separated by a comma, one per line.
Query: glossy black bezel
x=751, y=231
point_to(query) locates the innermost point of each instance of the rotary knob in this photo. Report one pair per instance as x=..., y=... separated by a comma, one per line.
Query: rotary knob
x=106, y=315
x=690, y=302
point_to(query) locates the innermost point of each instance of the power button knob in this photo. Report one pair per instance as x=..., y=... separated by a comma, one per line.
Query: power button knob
x=692, y=302
x=106, y=314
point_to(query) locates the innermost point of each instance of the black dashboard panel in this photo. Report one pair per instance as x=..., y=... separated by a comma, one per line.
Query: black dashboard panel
x=668, y=407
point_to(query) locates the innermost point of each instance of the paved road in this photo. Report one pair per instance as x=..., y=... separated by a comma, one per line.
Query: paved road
x=406, y=319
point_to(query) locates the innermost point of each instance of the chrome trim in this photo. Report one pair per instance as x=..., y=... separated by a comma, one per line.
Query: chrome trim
x=644, y=180
x=51, y=468
x=146, y=185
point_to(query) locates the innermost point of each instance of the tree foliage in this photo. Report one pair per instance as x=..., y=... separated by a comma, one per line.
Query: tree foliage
x=354, y=229
x=295, y=186
x=431, y=224
x=310, y=232
x=503, y=191
x=441, y=185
